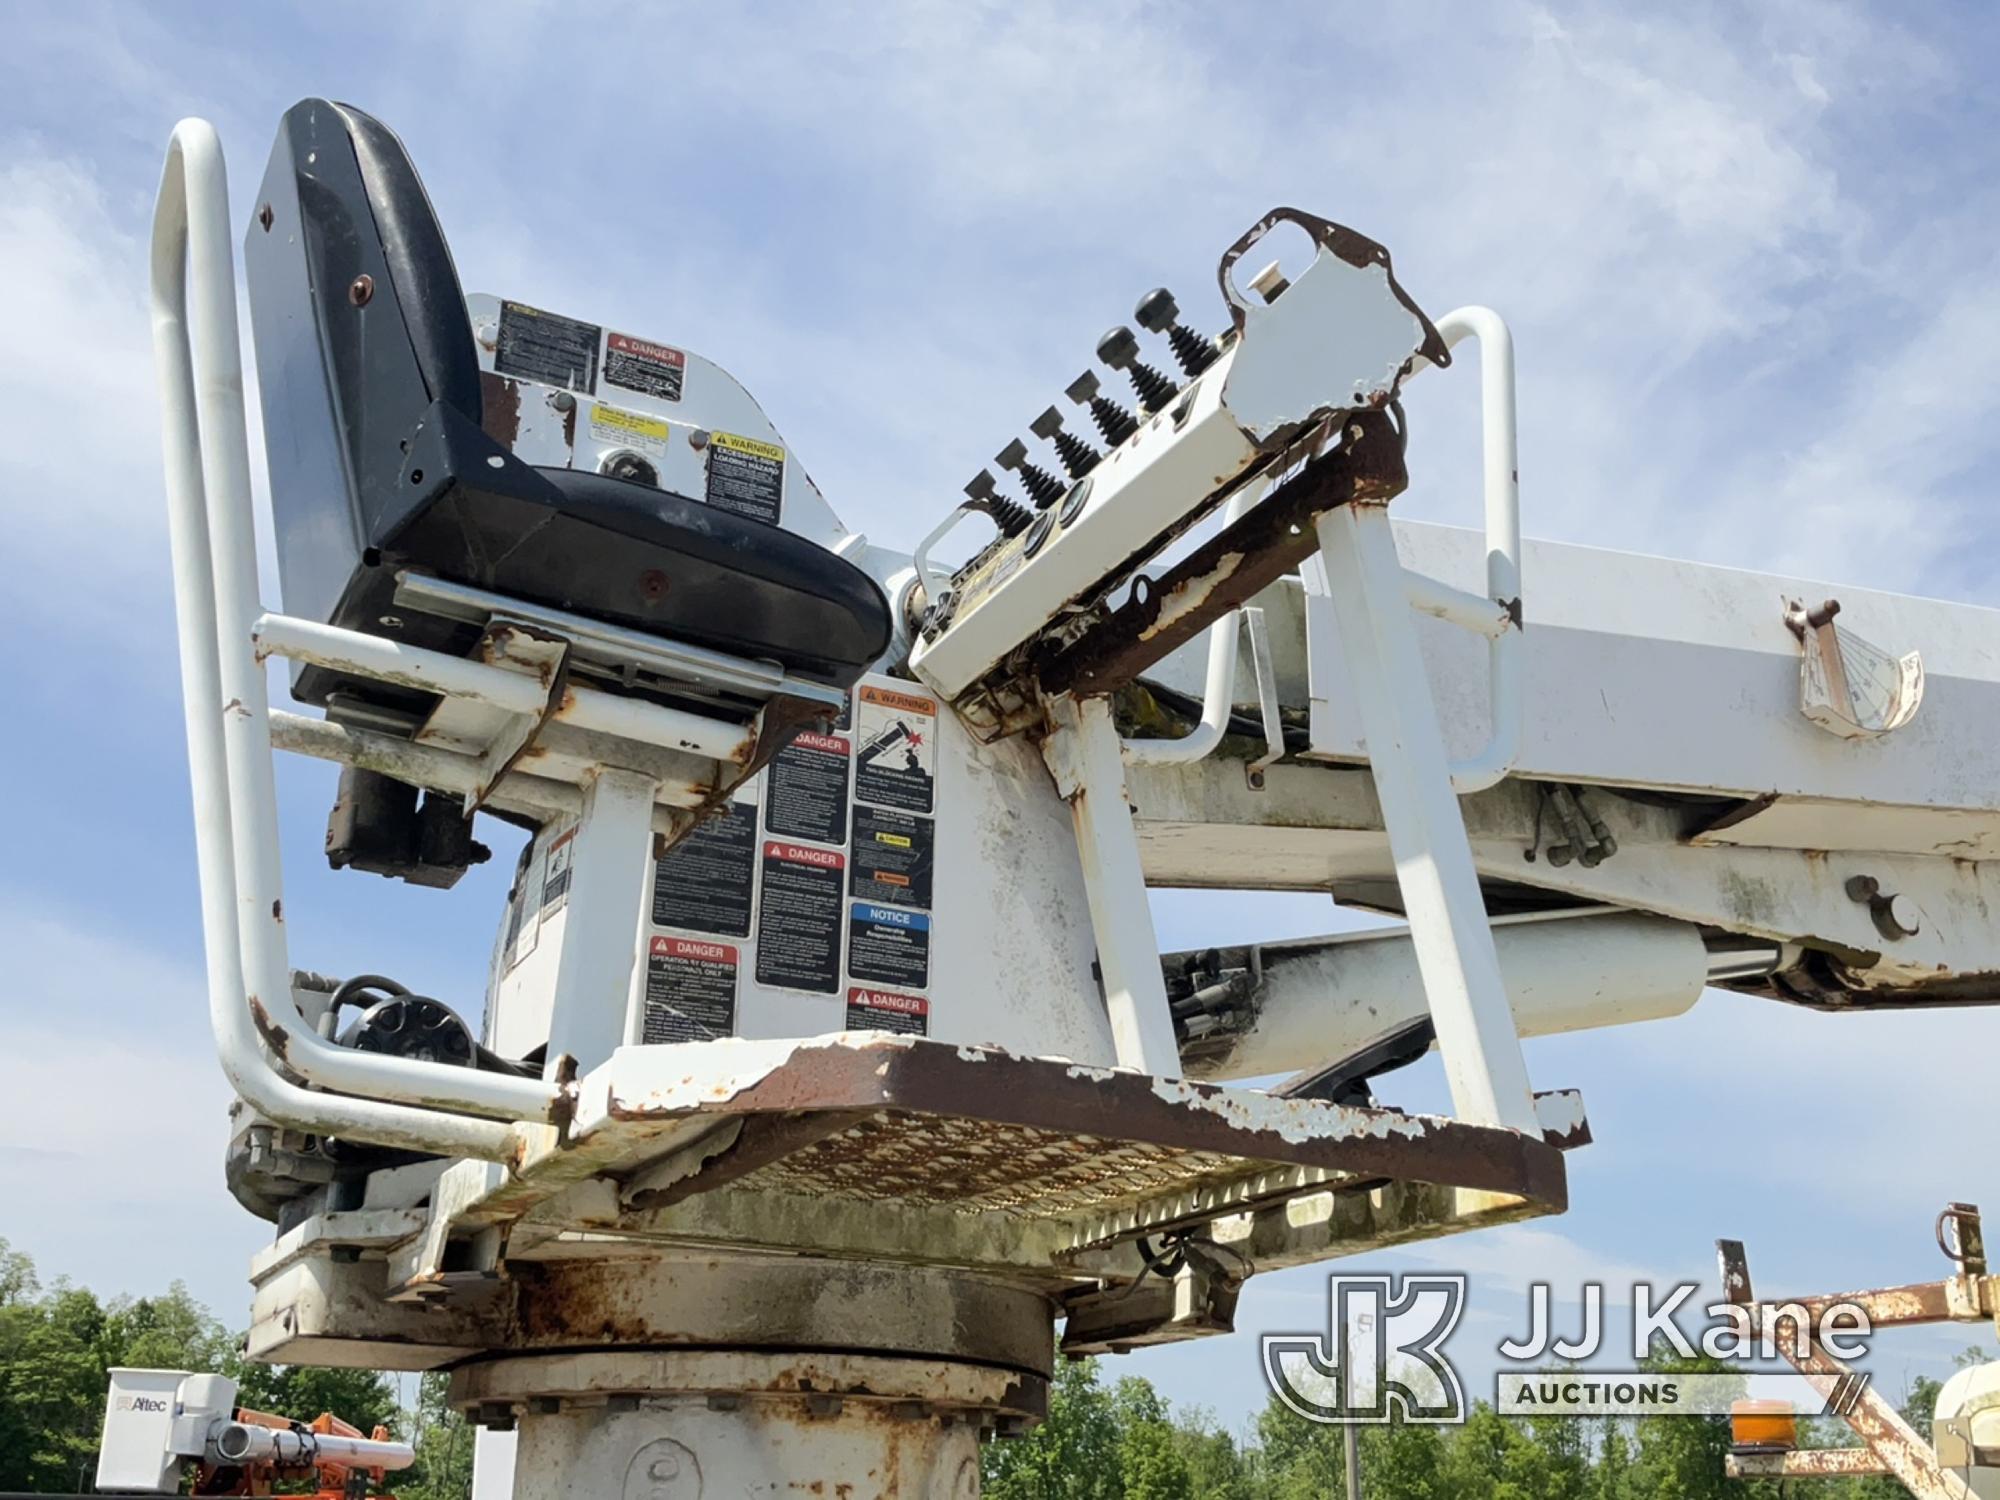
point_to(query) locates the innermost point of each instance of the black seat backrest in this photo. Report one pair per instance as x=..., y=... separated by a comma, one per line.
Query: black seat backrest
x=379, y=461
x=358, y=309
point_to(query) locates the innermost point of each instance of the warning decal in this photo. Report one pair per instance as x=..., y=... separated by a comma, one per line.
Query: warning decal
x=806, y=792
x=546, y=347
x=555, y=884
x=885, y=1010
x=609, y=424
x=798, y=924
x=638, y=365
x=896, y=765
x=746, y=476
x=890, y=945
x=690, y=990
x=703, y=882
x=892, y=858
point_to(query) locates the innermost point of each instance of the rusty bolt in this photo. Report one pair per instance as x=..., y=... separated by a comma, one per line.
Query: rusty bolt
x=361, y=289
x=652, y=585
x=264, y=217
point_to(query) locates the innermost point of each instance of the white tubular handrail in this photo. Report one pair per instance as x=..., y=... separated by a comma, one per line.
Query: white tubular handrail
x=228, y=726
x=495, y=687
x=1498, y=615
x=1218, y=697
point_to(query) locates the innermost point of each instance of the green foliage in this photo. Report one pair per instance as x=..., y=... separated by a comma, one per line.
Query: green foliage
x=1101, y=1441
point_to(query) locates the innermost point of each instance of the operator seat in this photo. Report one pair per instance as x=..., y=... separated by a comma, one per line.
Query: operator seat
x=372, y=403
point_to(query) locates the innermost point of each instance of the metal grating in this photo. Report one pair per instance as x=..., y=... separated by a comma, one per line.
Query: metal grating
x=978, y=1166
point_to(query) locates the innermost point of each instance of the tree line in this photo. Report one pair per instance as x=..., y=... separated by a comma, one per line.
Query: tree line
x=58, y=1342
x=1105, y=1439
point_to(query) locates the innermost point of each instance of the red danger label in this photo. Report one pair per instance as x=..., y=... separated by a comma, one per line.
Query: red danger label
x=624, y=343
x=799, y=854
x=832, y=744
x=908, y=1005
x=673, y=947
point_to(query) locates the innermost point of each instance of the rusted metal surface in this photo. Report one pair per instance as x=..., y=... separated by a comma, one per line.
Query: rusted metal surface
x=779, y=1302
x=1229, y=569
x=1805, y=1463
x=1891, y=1442
x=982, y=1130
x=1349, y=245
x=943, y=1386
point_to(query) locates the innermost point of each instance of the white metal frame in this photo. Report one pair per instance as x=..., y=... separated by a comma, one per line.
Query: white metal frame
x=1497, y=616
x=1406, y=757
x=270, y=1052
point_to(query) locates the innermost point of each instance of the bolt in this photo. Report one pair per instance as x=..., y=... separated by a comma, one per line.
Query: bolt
x=1895, y=915
x=264, y=218
x=564, y=401
x=361, y=289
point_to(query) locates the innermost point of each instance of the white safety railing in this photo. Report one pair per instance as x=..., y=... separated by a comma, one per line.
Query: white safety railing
x=1496, y=615
x=270, y=1052
x=228, y=731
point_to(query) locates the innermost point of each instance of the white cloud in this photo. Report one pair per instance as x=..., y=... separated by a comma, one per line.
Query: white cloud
x=113, y=1116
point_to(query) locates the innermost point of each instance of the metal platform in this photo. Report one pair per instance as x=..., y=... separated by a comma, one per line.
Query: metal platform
x=898, y=1151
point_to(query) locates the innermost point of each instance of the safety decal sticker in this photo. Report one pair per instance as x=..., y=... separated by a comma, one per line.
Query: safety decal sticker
x=892, y=858
x=889, y=945
x=528, y=929
x=798, y=921
x=885, y=1010
x=629, y=429
x=896, y=764
x=640, y=365
x=703, y=883
x=806, y=791
x=555, y=882
x=547, y=347
x=746, y=476
x=690, y=990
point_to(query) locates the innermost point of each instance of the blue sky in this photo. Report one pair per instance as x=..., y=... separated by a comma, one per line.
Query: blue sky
x=1748, y=255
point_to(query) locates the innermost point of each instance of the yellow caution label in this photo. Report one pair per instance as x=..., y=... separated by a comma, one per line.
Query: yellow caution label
x=895, y=840
x=609, y=424
x=752, y=446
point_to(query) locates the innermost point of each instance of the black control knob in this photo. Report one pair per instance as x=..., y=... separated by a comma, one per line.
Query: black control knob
x=1113, y=420
x=1157, y=312
x=1119, y=349
x=983, y=494
x=1078, y=457
x=1043, y=486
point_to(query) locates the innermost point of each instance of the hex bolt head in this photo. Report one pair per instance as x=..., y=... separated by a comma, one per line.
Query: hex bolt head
x=1119, y=347
x=1081, y=389
x=1156, y=311
x=1047, y=425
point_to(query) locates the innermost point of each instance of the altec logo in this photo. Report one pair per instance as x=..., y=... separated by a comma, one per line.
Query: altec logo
x=143, y=1403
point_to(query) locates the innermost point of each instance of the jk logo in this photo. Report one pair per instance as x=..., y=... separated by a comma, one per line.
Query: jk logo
x=1380, y=1356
